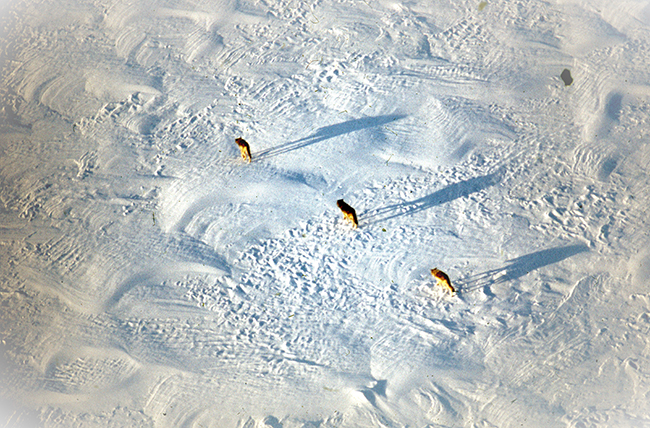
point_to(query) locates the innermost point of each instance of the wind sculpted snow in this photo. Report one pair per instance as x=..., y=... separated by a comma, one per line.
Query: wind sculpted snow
x=151, y=277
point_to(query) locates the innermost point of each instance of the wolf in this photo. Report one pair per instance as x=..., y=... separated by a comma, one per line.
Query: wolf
x=348, y=212
x=245, y=149
x=443, y=279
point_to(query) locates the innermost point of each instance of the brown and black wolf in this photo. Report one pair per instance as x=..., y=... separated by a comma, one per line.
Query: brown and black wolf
x=443, y=279
x=348, y=212
x=245, y=149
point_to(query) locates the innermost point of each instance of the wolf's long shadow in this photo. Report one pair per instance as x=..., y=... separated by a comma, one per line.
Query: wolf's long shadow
x=329, y=131
x=448, y=194
x=520, y=266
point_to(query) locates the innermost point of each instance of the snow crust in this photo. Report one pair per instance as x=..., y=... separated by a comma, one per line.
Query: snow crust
x=149, y=277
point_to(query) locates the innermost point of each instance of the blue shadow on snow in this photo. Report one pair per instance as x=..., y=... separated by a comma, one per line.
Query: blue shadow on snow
x=520, y=266
x=447, y=194
x=327, y=132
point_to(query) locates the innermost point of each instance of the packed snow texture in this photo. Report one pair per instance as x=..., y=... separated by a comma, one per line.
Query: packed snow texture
x=149, y=277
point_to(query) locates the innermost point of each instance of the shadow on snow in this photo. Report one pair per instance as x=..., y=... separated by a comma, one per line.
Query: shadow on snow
x=448, y=194
x=520, y=266
x=327, y=132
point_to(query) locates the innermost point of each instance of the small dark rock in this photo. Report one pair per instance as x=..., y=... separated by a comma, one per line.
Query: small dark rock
x=566, y=77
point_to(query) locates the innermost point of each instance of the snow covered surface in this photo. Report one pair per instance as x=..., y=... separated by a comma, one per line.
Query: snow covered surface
x=151, y=278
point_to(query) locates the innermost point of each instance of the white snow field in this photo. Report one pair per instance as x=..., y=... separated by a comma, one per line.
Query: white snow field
x=149, y=277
